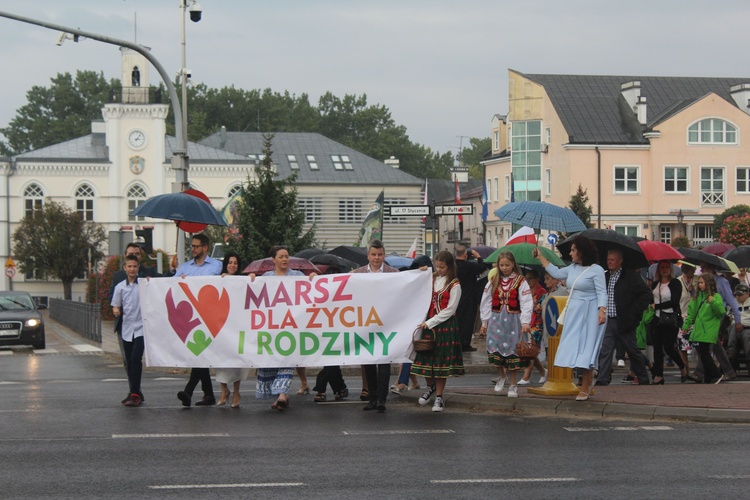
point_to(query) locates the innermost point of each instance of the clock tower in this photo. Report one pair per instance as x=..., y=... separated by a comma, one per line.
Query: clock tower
x=135, y=130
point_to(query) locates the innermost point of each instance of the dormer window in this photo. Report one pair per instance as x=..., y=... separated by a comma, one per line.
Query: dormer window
x=341, y=162
x=712, y=131
x=312, y=162
x=292, y=159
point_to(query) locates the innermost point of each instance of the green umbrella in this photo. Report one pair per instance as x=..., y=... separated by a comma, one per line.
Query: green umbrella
x=522, y=253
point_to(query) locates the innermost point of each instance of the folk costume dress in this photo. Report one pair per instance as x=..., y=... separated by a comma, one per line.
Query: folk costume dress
x=505, y=310
x=446, y=360
x=274, y=381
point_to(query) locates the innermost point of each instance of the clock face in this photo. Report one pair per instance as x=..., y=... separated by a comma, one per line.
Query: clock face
x=137, y=139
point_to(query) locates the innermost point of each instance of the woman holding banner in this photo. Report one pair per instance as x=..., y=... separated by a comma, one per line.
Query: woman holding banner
x=277, y=381
x=446, y=360
x=234, y=376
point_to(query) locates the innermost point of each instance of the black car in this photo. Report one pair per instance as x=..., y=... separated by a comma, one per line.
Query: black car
x=20, y=321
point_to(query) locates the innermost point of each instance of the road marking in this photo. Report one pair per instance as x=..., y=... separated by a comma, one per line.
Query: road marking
x=8, y=383
x=395, y=432
x=114, y=380
x=142, y=436
x=745, y=476
x=167, y=378
x=606, y=429
x=6, y=353
x=45, y=351
x=237, y=485
x=86, y=348
x=507, y=480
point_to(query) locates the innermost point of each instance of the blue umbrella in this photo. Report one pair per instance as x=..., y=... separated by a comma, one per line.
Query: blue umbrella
x=541, y=215
x=180, y=207
x=398, y=262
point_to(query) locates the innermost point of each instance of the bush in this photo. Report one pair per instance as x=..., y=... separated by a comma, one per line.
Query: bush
x=735, y=230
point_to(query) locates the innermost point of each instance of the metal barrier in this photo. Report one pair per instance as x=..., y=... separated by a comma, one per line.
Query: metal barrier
x=81, y=317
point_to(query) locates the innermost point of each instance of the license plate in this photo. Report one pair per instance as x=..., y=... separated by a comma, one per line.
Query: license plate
x=8, y=333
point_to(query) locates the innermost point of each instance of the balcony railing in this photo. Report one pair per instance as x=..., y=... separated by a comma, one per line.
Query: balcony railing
x=712, y=198
x=135, y=95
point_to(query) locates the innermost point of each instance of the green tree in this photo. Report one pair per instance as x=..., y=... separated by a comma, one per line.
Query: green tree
x=57, y=113
x=579, y=203
x=719, y=219
x=56, y=241
x=268, y=214
x=735, y=230
x=473, y=155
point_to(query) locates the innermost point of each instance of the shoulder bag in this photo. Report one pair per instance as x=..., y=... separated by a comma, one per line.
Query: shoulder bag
x=561, y=317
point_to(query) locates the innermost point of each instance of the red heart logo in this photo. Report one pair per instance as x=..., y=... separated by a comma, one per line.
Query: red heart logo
x=180, y=316
x=212, y=307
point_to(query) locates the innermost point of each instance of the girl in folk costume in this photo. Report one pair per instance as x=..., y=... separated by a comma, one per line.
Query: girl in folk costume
x=446, y=359
x=506, y=313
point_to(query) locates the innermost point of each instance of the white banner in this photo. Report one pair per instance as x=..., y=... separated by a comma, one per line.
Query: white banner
x=230, y=322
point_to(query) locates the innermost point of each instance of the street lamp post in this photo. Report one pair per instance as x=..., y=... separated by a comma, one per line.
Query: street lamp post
x=680, y=220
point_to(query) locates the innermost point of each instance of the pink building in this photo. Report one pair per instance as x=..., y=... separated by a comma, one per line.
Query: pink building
x=658, y=156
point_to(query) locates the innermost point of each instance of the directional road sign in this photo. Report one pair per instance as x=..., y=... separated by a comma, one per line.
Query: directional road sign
x=406, y=210
x=454, y=209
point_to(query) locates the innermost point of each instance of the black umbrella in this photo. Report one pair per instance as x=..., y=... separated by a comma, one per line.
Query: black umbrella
x=309, y=253
x=697, y=256
x=739, y=255
x=605, y=240
x=352, y=253
x=327, y=259
x=179, y=207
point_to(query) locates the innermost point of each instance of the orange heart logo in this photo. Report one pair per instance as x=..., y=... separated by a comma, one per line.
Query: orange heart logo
x=212, y=307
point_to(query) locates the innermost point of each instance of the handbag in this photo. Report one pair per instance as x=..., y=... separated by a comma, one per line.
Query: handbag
x=561, y=316
x=671, y=319
x=424, y=344
x=527, y=350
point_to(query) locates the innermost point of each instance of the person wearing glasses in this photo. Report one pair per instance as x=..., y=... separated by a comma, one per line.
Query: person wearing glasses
x=200, y=265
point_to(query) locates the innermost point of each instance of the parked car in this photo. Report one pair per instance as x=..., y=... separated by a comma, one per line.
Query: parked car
x=20, y=320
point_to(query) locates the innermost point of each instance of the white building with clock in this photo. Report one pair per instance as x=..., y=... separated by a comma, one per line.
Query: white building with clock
x=126, y=159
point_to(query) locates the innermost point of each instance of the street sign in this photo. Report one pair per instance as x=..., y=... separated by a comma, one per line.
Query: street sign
x=454, y=209
x=406, y=210
x=552, y=239
x=10, y=272
x=10, y=263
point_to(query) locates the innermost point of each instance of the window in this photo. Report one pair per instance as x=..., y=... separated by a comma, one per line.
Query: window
x=136, y=196
x=33, y=272
x=257, y=158
x=743, y=180
x=33, y=198
x=627, y=230
x=712, y=186
x=292, y=159
x=312, y=208
x=341, y=162
x=665, y=234
x=547, y=136
x=548, y=182
x=712, y=131
x=676, y=180
x=350, y=211
x=312, y=162
x=703, y=233
x=507, y=189
x=85, y=202
x=394, y=220
x=234, y=191
x=626, y=180
x=496, y=140
x=526, y=160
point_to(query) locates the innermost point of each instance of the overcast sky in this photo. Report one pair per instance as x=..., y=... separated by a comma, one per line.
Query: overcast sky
x=440, y=66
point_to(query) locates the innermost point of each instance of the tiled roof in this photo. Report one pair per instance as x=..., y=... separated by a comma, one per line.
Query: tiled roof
x=88, y=147
x=593, y=110
x=201, y=153
x=365, y=170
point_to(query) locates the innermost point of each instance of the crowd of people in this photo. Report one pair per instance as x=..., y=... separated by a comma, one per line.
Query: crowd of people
x=609, y=313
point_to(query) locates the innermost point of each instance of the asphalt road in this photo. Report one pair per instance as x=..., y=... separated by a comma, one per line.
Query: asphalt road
x=63, y=434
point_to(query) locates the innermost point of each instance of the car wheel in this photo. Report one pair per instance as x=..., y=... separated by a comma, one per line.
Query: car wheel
x=42, y=344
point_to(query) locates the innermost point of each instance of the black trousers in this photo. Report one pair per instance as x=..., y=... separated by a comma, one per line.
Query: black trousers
x=466, y=316
x=202, y=375
x=134, y=363
x=710, y=371
x=378, y=380
x=665, y=340
x=329, y=375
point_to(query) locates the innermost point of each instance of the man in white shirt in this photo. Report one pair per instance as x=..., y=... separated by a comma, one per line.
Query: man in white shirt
x=741, y=338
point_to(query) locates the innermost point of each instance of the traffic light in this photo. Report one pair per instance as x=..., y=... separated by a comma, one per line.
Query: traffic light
x=148, y=239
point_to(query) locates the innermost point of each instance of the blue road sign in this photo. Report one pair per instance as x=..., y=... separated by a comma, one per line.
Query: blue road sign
x=552, y=239
x=551, y=312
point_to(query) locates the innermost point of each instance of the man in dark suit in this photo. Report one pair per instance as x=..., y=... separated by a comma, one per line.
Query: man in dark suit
x=467, y=272
x=627, y=297
x=120, y=275
x=378, y=376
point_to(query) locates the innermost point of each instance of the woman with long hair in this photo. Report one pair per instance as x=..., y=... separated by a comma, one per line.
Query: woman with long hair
x=225, y=376
x=441, y=325
x=705, y=314
x=586, y=311
x=667, y=293
x=505, y=310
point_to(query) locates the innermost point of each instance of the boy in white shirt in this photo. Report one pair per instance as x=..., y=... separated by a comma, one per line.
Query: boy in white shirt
x=126, y=302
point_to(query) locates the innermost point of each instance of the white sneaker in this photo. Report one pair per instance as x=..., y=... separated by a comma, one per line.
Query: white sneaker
x=543, y=378
x=524, y=382
x=512, y=391
x=500, y=384
x=439, y=404
x=494, y=380
x=621, y=363
x=425, y=398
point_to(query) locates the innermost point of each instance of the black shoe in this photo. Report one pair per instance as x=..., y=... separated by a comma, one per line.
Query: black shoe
x=184, y=397
x=380, y=406
x=127, y=398
x=468, y=348
x=601, y=383
x=628, y=378
x=342, y=395
x=206, y=401
x=371, y=405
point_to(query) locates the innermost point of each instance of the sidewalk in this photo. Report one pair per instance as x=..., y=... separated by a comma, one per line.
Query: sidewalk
x=728, y=402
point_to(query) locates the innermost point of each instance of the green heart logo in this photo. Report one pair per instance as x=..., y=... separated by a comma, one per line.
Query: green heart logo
x=199, y=343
